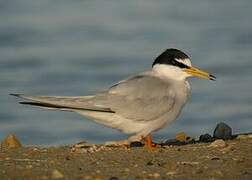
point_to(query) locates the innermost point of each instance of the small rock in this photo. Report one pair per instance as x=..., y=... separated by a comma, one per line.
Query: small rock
x=144, y=172
x=188, y=163
x=82, y=144
x=136, y=144
x=216, y=173
x=215, y=158
x=218, y=143
x=181, y=137
x=171, y=173
x=241, y=137
x=170, y=167
x=10, y=142
x=56, y=174
x=156, y=175
x=68, y=158
x=113, y=178
x=228, y=149
x=150, y=163
x=171, y=142
x=206, y=138
x=127, y=170
x=239, y=160
x=97, y=171
x=87, y=177
x=87, y=148
x=222, y=131
x=29, y=166
x=136, y=165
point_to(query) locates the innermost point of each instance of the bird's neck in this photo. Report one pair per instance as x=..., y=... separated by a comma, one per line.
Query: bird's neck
x=169, y=72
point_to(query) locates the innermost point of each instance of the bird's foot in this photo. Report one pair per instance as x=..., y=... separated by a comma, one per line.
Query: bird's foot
x=148, y=144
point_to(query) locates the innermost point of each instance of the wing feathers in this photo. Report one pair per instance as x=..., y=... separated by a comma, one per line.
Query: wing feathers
x=62, y=102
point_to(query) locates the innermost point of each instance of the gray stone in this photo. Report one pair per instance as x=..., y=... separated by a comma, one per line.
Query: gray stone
x=222, y=131
x=136, y=144
x=206, y=138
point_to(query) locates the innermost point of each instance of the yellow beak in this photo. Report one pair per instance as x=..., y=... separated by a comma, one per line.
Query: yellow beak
x=199, y=73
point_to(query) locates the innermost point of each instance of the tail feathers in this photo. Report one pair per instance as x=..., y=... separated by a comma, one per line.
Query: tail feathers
x=62, y=103
x=42, y=104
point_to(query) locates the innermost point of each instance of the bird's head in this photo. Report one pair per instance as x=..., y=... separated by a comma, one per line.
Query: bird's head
x=175, y=64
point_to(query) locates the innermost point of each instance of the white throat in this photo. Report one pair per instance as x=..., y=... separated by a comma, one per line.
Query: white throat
x=169, y=72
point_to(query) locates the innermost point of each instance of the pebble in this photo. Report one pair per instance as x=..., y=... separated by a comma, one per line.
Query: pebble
x=113, y=178
x=29, y=166
x=188, y=163
x=171, y=142
x=127, y=170
x=216, y=173
x=218, y=143
x=239, y=159
x=56, y=174
x=11, y=142
x=228, y=149
x=181, y=137
x=206, y=138
x=98, y=171
x=215, y=158
x=241, y=137
x=87, y=177
x=170, y=167
x=156, y=175
x=171, y=173
x=82, y=144
x=90, y=149
x=222, y=131
x=136, y=144
x=150, y=163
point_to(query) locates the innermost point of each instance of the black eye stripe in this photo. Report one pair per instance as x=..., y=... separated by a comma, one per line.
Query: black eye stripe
x=181, y=65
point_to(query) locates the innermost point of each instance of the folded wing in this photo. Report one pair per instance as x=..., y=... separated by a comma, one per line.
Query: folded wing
x=140, y=98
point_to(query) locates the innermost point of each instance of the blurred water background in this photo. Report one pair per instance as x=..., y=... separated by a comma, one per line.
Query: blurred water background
x=78, y=47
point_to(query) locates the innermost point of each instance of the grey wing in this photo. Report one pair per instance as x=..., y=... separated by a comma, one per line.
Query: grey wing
x=141, y=98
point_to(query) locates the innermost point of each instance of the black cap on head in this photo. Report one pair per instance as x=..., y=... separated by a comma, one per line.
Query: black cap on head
x=169, y=57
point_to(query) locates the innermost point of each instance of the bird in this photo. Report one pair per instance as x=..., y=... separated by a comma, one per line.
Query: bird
x=138, y=105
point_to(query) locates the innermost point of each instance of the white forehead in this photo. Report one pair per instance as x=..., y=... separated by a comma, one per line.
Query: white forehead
x=185, y=61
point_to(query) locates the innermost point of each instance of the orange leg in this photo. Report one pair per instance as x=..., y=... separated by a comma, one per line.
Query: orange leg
x=148, y=142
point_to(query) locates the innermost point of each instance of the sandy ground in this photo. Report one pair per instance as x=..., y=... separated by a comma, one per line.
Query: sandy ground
x=231, y=159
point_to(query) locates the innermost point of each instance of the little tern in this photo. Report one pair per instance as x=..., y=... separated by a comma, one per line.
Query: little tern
x=138, y=105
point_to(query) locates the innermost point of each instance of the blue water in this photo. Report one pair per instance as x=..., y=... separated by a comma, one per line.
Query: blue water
x=79, y=47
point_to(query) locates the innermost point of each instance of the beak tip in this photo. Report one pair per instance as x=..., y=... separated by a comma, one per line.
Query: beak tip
x=212, y=77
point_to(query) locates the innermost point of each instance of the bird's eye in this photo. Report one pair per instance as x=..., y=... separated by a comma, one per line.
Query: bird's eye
x=173, y=62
